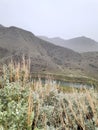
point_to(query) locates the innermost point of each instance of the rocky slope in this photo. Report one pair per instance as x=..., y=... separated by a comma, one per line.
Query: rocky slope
x=45, y=56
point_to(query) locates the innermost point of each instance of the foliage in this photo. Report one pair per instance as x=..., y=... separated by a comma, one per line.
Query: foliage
x=31, y=105
x=13, y=107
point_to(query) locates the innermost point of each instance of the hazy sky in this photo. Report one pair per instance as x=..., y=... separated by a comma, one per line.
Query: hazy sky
x=53, y=18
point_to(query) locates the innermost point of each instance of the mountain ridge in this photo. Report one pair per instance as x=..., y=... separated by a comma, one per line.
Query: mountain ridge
x=78, y=44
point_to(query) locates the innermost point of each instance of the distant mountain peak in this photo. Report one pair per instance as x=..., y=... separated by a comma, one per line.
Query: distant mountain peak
x=84, y=37
x=56, y=38
x=78, y=44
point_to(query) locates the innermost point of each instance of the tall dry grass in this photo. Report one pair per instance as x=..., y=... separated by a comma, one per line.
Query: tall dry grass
x=53, y=108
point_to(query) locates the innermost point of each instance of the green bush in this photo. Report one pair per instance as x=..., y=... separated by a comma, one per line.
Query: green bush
x=13, y=106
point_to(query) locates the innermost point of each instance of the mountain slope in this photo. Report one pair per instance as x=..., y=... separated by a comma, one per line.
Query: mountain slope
x=45, y=56
x=79, y=44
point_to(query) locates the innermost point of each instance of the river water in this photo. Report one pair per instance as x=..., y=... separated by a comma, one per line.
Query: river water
x=66, y=84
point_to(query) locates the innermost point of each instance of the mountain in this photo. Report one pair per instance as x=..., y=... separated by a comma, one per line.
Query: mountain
x=79, y=44
x=56, y=40
x=45, y=57
x=1, y=26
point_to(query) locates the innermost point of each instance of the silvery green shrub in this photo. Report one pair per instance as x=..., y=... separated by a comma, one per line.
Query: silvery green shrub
x=13, y=107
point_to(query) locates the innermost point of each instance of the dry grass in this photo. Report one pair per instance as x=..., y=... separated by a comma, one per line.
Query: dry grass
x=75, y=110
x=54, y=109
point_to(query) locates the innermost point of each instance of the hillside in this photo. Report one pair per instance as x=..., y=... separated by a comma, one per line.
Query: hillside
x=45, y=56
x=78, y=44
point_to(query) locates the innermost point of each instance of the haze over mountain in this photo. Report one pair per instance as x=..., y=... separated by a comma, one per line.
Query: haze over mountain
x=78, y=44
x=45, y=56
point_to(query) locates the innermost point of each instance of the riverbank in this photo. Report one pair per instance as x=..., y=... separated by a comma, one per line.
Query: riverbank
x=89, y=81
